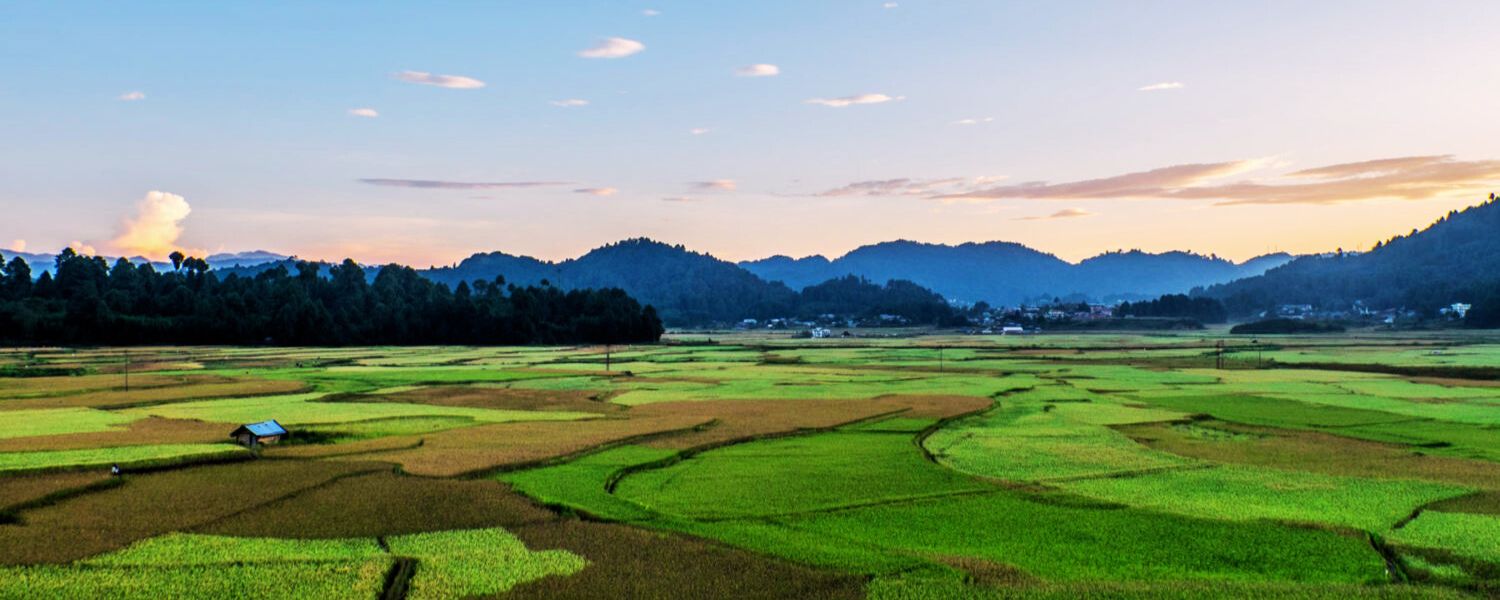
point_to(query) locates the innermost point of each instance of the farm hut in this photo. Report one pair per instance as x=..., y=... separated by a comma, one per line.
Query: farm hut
x=251, y=435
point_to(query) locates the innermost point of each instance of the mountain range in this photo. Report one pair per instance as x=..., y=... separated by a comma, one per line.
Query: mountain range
x=1456, y=260
x=1007, y=273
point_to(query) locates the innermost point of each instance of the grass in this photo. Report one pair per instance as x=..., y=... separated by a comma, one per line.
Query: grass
x=128, y=457
x=180, y=549
x=1466, y=535
x=581, y=483
x=338, y=580
x=460, y=564
x=308, y=409
x=38, y=422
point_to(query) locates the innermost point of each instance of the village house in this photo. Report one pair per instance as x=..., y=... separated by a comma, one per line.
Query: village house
x=251, y=435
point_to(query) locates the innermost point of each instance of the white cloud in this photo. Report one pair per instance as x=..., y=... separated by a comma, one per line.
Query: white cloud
x=1066, y=213
x=570, y=102
x=1165, y=85
x=679, y=199
x=758, y=70
x=844, y=101
x=699, y=130
x=890, y=5
x=975, y=121
x=598, y=191
x=368, y=113
x=18, y=246
x=720, y=185
x=132, y=96
x=650, y=12
x=452, y=82
x=615, y=47
x=83, y=248
x=157, y=224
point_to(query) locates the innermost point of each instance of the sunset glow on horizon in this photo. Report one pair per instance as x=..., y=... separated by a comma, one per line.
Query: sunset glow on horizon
x=423, y=134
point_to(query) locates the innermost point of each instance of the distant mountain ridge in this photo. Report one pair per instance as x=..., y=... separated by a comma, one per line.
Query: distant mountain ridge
x=1454, y=260
x=1010, y=273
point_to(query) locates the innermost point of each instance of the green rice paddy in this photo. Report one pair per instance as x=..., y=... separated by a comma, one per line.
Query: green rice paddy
x=1110, y=465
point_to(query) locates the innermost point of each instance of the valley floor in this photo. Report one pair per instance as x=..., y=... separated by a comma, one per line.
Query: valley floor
x=1109, y=465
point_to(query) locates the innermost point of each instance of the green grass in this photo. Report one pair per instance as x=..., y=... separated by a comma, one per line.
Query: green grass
x=817, y=472
x=338, y=580
x=1245, y=493
x=176, y=549
x=125, y=456
x=475, y=562
x=581, y=483
x=306, y=409
x=375, y=428
x=1467, y=535
x=57, y=421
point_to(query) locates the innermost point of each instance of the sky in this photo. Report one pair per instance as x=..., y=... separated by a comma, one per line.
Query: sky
x=424, y=132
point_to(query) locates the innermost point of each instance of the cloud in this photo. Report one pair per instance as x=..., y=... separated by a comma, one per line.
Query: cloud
x=1066, y=213
x=17, y=246
x=598, y=191
x=650, y=12
x=758, y=70
x=699, y=130
x=452, y=82
x=368, y=113
x=570, y=102
x=154, y=229
x=132, y=96
x=717, y=185
x=889, y=5
x=83, y=248
x=1402, y=178
x=678, y=199
x=911, y=187
x=432, y=184
x=844, y=101
x=615, y=47
x=1165, y=85
x=975, y=121
x=1144, y=184
x=1405, y=178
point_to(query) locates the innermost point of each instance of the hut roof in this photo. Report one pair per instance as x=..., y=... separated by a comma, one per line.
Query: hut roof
x=261, y=429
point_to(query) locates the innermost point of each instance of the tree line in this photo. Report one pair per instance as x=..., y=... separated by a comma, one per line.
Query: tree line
x=86, y=301
x=1201, y=309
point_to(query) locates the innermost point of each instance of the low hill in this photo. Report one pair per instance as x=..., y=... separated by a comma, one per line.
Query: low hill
x=1456, y=259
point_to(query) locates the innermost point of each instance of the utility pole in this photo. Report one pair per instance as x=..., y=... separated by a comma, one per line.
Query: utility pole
x=940, y=359
x=606, y=357
x=1219, y=355
x=127, y=370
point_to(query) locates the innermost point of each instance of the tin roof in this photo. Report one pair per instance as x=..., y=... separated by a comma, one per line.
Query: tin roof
x=261, y=429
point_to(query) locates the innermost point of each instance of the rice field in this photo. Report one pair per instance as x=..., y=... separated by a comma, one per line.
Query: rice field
x=935, y=466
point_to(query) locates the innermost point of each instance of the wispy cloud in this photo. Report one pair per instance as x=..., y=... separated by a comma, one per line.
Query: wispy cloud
x=699, y=130
x=758, y=70
x=82, y=248
x=570, y=102
x=1144, y=184
x=889, y=5
x=368, y=113
x=717, y=185
x=154, y=229
x=615, y=47
x=597, y=191
x=433, y=184
x=132, y=96
x=973, y=121
x=452, y=82
x=1165, y=85
x=650, y=12
x=17, y=246
x=1402, y=178
x=844, y=101
x=1066, y=213
x=678, y=199
x=911, y=187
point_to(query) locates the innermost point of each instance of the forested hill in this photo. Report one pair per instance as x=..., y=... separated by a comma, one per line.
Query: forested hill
x=89, y=301
x=1456, y=259
x=1009, y=273
x=687, y=287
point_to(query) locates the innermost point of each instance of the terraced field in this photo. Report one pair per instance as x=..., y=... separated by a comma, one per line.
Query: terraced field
x=755, y=466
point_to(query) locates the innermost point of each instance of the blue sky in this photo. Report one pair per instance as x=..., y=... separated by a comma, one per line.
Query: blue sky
x=242, y=112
